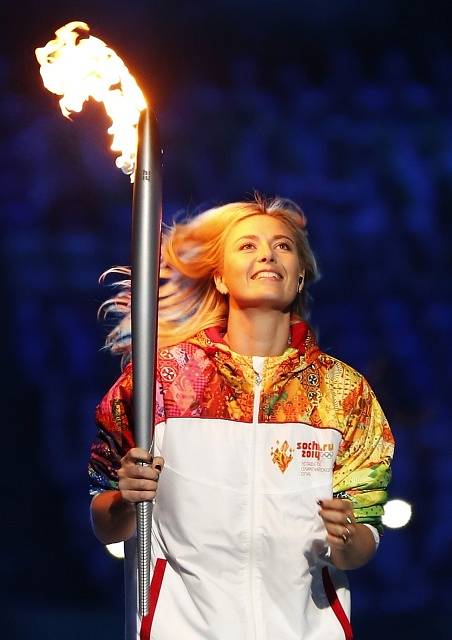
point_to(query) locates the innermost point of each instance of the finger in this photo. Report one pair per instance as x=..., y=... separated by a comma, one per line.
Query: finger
x=337, y=510
x=337, y=504
x=338, y=542
x=340, y=534
x=136, y=457
x=137, y=484
x=136, y=454
x=138, y=471
x=337, y=517
x=340, y=530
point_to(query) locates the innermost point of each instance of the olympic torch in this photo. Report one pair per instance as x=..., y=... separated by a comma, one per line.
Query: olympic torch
x=146, y=231
x=79, y=69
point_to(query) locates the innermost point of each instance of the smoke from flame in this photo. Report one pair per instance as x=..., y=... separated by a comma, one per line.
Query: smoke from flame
x=81, y=68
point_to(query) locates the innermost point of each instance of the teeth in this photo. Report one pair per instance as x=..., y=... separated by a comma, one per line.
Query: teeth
x=268, y=274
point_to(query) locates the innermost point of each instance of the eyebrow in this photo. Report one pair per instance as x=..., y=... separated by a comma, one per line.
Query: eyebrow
x=277, y=237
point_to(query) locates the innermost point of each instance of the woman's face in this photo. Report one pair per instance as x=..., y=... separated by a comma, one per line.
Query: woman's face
x=260, y=264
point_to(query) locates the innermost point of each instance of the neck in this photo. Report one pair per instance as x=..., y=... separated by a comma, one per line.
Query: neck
x=257, y=332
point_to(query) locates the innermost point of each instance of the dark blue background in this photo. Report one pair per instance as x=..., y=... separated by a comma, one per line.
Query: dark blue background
x=345, y=107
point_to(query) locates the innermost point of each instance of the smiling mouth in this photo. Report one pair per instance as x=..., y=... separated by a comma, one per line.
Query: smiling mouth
x=267, y=275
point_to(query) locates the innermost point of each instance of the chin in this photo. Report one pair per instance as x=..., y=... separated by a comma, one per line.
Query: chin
x=268, y=303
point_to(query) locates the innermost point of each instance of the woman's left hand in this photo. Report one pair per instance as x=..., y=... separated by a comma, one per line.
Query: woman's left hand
x=339, y=521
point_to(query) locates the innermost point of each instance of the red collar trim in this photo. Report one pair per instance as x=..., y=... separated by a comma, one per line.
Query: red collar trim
x=299, y=332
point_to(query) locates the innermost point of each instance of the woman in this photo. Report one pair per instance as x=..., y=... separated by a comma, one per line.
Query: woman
x=271, y=458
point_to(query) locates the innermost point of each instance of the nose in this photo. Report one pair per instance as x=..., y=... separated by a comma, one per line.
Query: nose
x=265, y=253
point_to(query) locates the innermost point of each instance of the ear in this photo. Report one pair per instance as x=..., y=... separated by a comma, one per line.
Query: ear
x=301, y=281
x=220, y=286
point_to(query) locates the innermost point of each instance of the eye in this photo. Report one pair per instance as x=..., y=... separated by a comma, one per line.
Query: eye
x=284, y=245
x=247, y=245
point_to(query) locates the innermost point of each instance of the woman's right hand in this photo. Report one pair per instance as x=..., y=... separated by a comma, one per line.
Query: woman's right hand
x=137, y=481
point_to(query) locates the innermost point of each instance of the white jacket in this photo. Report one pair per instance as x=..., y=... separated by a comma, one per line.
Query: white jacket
x=238, y=547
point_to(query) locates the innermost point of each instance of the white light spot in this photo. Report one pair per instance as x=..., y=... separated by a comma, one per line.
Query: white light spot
x=116, y=549
x=397, y=514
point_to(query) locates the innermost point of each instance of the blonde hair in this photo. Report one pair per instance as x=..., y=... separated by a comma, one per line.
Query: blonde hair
x=192, y=253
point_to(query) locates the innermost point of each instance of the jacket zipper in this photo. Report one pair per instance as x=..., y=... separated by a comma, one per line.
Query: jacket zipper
x=258, y=367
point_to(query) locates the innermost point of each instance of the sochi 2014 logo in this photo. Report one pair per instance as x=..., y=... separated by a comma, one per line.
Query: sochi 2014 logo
x=282, y=455
x=315, y=450
x=316, y=457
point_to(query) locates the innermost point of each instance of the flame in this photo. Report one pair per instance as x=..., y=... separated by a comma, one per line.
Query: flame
x=81, y=68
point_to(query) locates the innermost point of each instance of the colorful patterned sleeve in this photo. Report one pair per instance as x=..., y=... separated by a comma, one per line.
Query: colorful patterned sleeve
x=362, y=471
x=114, y=434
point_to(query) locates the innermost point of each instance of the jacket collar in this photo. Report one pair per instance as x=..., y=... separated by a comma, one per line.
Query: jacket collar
x=301, y=352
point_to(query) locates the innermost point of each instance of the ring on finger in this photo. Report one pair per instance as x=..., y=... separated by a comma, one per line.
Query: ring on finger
x=346, y=536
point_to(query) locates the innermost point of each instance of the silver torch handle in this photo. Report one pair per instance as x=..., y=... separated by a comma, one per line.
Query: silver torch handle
x=146, y=233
